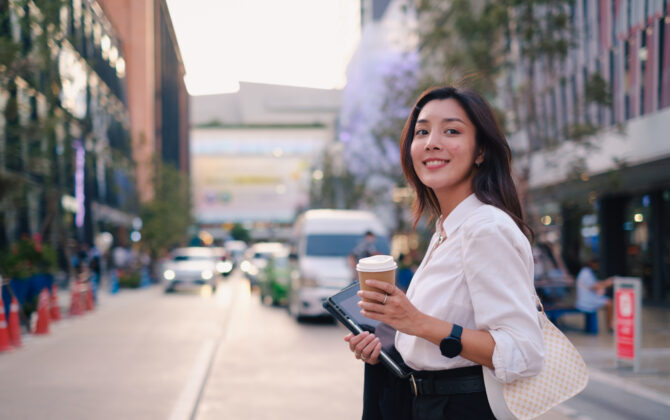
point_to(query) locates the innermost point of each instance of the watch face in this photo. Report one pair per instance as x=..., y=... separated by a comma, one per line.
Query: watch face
x=451, y=347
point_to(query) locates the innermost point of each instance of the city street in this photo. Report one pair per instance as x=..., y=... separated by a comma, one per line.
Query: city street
x=143, y=354
x=147, y=355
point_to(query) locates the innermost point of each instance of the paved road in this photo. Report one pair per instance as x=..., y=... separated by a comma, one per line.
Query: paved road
x=147, y=355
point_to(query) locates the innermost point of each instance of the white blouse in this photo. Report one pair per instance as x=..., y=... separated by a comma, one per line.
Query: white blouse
x=481, y=278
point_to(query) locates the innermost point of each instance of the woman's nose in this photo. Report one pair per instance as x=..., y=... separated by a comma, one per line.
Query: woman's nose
x=432, y=142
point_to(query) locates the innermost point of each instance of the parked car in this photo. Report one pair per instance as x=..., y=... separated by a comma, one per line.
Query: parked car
x=190, y=266
x=274, y=280
x=324, y=240
x=256, y=257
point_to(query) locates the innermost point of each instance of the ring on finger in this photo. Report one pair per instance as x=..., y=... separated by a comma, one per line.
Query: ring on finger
x=363, y=357
x=386, y=296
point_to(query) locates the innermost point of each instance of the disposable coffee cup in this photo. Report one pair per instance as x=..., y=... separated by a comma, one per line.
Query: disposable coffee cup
x=377, y=267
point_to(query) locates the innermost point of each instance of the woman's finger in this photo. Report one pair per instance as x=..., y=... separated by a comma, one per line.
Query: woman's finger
x=355, y=339
x=375, y=296
x=363, y=344
x=369, y=348
x=382, y=285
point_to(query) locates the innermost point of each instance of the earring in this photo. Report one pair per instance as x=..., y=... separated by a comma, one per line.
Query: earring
x=478, y=165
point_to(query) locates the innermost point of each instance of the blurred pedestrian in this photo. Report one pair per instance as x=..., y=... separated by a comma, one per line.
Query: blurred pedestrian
x=365, y=247
x=470, y=308
x=406, y=269
x=592, y=293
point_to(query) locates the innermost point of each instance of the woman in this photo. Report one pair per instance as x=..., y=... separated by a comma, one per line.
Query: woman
x=471, y=304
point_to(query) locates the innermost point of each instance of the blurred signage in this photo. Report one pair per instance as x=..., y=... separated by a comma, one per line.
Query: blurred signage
x=79, y=195
x=248, y=188
x=628, y=314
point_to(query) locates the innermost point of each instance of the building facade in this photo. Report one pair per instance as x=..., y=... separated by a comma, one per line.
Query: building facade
x=157, y=98
x=606, y=193
x=65, y=153
x=254, y=154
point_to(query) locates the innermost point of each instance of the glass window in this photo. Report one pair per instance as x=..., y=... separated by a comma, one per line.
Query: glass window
x=661, y=59
x=643, y=68
x=636, y=231
x=338, y=245
x=665, y=244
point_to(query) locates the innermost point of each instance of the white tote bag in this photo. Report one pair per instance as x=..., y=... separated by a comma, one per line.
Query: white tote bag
x=564, y=375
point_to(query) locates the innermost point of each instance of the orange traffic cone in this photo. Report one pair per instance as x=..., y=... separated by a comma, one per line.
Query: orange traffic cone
x=82, y=296
x=90, y=304
x=75, y=300
x=42, y=326
x=14, y=324
x=54, y=309
x=4, y=334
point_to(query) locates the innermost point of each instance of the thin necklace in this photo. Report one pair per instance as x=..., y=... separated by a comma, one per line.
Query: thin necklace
x=442, y=236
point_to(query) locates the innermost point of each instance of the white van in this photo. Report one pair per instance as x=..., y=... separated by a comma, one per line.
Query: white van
x=323, y=240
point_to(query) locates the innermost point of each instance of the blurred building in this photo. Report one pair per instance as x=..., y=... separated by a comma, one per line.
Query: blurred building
x=65, y=154
x=253, y=154
x=381, y=76
x=606, y=194
x=157, y=96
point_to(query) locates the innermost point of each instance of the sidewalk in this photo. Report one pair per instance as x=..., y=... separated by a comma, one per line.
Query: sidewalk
x=653, y=380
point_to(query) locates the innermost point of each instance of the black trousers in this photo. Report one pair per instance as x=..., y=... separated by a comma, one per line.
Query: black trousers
x=387, y=397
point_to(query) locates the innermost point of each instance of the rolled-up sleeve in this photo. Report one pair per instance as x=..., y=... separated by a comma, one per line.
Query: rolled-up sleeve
x=498, y=269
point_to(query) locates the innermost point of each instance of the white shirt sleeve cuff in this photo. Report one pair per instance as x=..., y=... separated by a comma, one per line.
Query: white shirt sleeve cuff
x=507, y=360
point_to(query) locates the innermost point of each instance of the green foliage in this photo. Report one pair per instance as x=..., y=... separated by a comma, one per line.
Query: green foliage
x=25, y=258
x=461, y=41
x=129, y=280
x=239, y=233
x=580, y=131
x=167, y=217
x=597, y=91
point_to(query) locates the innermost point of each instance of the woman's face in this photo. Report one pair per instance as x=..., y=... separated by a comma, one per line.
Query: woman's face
x=443, y=148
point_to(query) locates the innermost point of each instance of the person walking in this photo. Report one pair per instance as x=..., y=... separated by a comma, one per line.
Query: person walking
x=470, y=306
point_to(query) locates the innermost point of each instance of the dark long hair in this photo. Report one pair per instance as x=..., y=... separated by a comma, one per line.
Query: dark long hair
x=493, y=182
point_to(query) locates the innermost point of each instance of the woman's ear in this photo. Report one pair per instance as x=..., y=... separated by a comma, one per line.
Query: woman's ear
x=479, y=159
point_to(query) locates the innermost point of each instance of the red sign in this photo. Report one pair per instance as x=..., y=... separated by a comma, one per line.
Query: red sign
x=625, y=323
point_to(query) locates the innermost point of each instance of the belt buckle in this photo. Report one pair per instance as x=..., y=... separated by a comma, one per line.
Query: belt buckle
x=416, y=389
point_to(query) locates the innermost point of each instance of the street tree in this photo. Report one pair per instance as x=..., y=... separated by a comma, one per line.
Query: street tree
x=167, y=217
x=496, y=47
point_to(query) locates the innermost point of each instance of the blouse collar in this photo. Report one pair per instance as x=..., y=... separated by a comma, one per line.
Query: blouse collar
x=458, y=215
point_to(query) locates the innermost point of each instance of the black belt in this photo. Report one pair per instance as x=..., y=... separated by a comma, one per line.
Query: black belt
x=465, y=380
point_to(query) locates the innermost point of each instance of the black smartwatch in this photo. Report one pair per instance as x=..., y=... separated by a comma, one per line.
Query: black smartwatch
x=451, y=346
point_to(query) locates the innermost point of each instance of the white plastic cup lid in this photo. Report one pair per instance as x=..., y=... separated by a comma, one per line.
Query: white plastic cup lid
x=376, y=263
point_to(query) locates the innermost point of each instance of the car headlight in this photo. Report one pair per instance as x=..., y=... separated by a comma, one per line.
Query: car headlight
x=224, y=267
x=207, y=274
x=168, y=274
x=245, y=266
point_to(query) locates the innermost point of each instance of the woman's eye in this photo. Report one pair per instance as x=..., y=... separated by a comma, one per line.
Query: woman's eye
x=451, y=131
x=421, y=132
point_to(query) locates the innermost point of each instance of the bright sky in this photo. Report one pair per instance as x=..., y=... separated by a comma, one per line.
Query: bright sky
x=286, y=42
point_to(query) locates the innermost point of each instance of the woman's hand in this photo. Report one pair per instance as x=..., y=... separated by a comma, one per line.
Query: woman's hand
x=392, y=308
x=365, y=347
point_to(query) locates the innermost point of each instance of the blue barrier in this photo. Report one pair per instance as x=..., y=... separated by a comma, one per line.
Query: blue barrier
x=113, y=282
x=590, y=318
x=25, y=289
x=94, y=280
x=145, y=279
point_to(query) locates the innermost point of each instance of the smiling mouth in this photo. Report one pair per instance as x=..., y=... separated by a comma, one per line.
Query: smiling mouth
x=434, y=163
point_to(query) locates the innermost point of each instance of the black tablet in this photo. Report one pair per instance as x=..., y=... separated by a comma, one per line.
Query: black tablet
x=344, y=307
